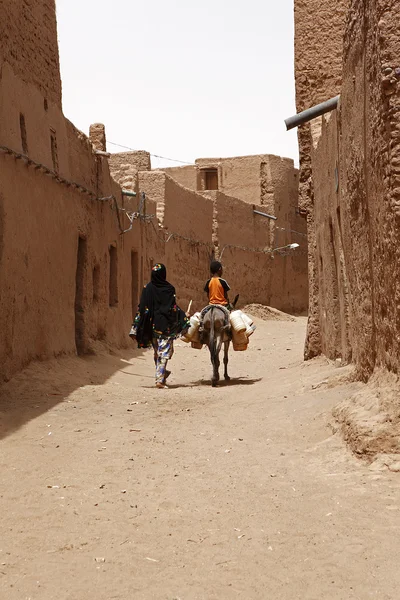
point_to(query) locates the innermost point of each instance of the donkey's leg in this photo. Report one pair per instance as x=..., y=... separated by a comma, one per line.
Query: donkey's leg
x=215, y=377
x=226, y=350
x=215, y=361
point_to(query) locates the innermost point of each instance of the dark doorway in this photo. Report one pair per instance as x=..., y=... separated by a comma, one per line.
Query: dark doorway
x=80, y=295
x=135, y=281
x=211, y=179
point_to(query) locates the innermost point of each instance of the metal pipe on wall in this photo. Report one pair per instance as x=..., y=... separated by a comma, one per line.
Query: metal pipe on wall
x=312, y=113
x=257, y=212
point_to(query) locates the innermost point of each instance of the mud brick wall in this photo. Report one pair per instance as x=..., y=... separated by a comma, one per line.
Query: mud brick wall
x=186, y=176
x=370, y=180
x=187, y=213
x=271, y=181
x=28, y=44
x=333, y=293
x=248, y=273
x=97, y=136
x=280, y=198
x=125, y=167
x=382, y=107
x=188, y=217
x=357, y=223
x=319, y=29
x=70, y=279
x=238, y=177
x=255, y=179
x=54, y=240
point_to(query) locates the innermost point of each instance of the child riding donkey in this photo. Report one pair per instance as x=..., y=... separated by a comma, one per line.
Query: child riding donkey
x=215, y=328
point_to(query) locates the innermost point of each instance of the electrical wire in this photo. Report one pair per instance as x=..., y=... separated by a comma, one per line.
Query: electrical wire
x=291, y=231
x=132, y=215
x=168, y=235
x=183, y=162
x=79, y=187
x=256, y=250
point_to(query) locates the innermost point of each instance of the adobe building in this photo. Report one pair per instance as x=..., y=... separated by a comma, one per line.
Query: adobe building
x=76, y=244
x=319, y=28
x=258, y=179
x=237, y=186
x=350, y=185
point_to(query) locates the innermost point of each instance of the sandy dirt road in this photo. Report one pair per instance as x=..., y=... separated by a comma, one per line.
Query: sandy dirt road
x=113, y=490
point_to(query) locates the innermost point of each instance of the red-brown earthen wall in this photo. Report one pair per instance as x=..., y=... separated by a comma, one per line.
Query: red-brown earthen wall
x=186, y=176
x=59, y=202
x=333, y=299
x=319, y=27
x=357, y=240
x=28, y=44
x=248, y=273
x=272, y=182
x=186, y=220
x=238, y=177
x=41, y=222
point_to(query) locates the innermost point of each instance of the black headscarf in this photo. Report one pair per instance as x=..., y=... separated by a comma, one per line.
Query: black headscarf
x=160, y=298
x=158, y=313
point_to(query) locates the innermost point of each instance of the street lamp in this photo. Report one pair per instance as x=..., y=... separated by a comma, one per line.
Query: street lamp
x=288, y=246
x=291, y=246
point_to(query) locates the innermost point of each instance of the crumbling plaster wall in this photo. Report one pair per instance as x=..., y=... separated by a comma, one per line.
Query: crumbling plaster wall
x=125, y=166
x=370, y=159
x=362, y=140
x=28, y=45
x=319, y=29
x=333, y=299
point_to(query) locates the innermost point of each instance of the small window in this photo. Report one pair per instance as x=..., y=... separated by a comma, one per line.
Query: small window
x=211, y=179
x=54, y=151
x=24, y=139
x=113, y=285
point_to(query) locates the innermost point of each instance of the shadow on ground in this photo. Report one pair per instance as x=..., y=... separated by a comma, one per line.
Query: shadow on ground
x=43, y=385
x=207, y=383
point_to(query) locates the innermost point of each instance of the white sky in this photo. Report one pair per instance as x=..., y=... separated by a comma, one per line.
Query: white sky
x=179, y=78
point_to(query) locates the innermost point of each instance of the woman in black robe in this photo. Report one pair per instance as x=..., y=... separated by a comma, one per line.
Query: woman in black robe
x=159, y=321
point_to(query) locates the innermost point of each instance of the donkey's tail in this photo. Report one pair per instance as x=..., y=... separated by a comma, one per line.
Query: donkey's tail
x=214, y=347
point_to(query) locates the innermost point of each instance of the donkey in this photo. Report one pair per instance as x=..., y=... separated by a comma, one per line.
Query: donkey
x=215, y=332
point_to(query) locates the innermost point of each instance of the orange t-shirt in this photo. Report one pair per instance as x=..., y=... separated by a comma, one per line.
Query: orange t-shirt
x=217, y=289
